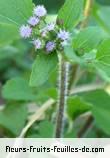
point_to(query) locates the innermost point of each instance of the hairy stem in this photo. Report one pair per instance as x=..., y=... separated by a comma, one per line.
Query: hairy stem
x=63, y=81
x=63, y=92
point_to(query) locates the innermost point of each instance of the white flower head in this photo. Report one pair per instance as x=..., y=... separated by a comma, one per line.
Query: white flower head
x=40, y=11
x=33, y=21
x=50, y=46
x=37, y=43
x=25, y=31
x=50, y=26
x=63, y=35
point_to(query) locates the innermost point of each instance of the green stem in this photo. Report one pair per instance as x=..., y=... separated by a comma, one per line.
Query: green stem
x=87, y=11
x=62, y=100
x=86, y=126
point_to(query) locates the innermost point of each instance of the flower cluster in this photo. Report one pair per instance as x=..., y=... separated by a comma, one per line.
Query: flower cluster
x=43, y=35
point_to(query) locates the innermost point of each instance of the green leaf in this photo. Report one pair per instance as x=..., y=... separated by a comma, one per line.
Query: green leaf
x=8, y=33
x=52, y=93
x=100, y=109
x=102, y=16
x=70, y=55
x=88, y=39
x=15, y=11
x=8, y=52
x=18, y=89
x=103, y=71
x=43, y=66
x=71, y=134
x=46, y=129
x=82, y=50
x=103, y=53
x=71, y=13
x=102, y=63
x=13, y=118
x=77, y=106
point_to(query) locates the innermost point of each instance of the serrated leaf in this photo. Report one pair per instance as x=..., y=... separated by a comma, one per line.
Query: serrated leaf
x=71, y=13
x=100, y=109
x=18, y=89
x=15, y=11
x=102, y=63
x=88, y=39
x=77, y=106
x=13, y=118
x=43, y=66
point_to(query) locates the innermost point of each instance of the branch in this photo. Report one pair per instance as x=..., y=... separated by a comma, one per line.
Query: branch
x=36, y=116
x=87, y=87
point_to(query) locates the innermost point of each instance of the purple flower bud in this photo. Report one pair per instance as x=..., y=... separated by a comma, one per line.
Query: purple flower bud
x=37, y=43
x=43, y=32
x=50, y=27
x=25, y=31
x=63, y=35
x=50, y=46
x=33, y=21
x=40, y=11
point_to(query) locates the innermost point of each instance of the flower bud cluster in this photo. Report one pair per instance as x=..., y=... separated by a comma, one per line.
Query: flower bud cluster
x=43, y=35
